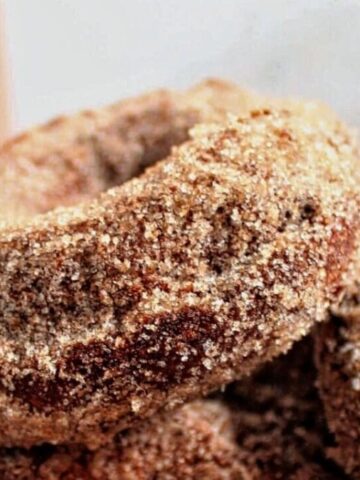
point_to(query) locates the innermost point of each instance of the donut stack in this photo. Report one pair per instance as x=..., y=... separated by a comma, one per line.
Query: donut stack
x=179, y=293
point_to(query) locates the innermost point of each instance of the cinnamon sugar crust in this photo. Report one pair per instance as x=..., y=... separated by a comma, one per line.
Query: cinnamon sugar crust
x=207, y=265
x=194, y=443
x=72, y=159
x=268, y=427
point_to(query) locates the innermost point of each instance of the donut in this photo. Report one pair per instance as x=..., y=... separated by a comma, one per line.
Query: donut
x=279, y=420
x=195, y=443
x=338, y=362
x=208, y=264
x=270, y=426
x=72, y=159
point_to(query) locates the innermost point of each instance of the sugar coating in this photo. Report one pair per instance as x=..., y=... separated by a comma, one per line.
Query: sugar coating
x=195, y=442
x=210, y=263
x=72, y=159
x=268, y=426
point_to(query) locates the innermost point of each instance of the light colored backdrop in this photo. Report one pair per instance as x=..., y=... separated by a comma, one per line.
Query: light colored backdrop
x=67, y=54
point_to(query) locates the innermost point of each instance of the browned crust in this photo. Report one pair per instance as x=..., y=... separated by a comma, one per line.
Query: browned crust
x=207, y=265
x=338, y=346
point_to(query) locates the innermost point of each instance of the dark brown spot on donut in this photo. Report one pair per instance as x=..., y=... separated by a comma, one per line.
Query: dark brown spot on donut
x=168, y=350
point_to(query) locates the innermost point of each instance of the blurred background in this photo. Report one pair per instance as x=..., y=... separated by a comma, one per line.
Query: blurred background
x=58, y=56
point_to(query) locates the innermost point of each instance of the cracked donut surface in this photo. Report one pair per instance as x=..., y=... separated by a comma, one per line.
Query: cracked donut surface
x=210, y=263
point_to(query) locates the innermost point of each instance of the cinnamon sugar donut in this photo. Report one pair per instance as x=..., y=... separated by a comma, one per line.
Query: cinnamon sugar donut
x=210, y=263
x=195, y=443
x=270, y=426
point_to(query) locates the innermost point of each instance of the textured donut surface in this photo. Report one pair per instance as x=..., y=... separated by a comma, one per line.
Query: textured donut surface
x=210, y=263
x=72, y=159
x=270, y=426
